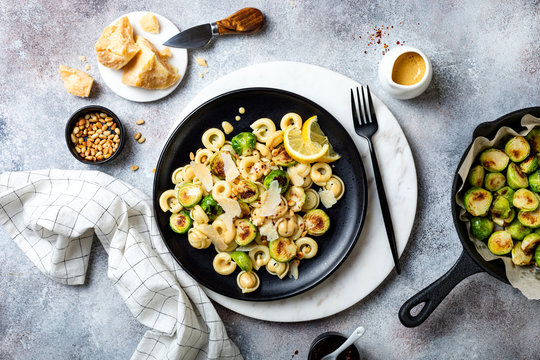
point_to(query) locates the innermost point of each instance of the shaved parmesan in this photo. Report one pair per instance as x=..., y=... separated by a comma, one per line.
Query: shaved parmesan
x=272, y=200
x=293, y=269
x=203, y=174
x=296, y=179
x=229, y=167
x=269, y=230
x=327, y=198
x=213, y=235
x=231, y=209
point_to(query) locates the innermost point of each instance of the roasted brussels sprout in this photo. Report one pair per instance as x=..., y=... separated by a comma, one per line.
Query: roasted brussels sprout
x=530, y=242
x=246, y=232
x=216, y=165
x=534, y=139
x=317, y=222
x=504, y=221
x=244, y=143
x=493, y=160
x=529, y=218
x=211, y=207
x=242, y=260
x=529, y=165
x=245, y=209
x=481, y=227
x=282, y=157
x=520, y=257
x=477, y=201
x=534, y=181
x=500, y=207
x=246, y=191
x=494, y=181
x=500, y=242
x=537, y=256
x=515, y=178
x=282, y=249
x=476, y=176
x=180, y=222
x=517, y=230
x=189, y=195
x=517, y=148
x=508, y=193
x=525, y=199
x=280, y=176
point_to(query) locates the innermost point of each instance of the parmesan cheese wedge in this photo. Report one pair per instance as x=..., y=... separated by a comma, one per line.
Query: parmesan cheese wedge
x=203, y=173
x=214, y=237
x=272, y=200
x=229, y=167
x=75, y=81
x=231, y=209
x=327, y=198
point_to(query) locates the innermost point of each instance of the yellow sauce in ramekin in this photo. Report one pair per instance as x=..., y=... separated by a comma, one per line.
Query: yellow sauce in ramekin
x=408, y=69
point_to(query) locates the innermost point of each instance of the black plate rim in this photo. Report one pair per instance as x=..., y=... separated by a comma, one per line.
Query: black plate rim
x=333, y=267
x=496, y=267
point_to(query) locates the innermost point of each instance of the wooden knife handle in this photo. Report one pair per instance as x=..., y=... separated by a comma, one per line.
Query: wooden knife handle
x=245, y=21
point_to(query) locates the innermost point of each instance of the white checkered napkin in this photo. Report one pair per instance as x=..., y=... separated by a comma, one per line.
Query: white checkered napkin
x=52, y=215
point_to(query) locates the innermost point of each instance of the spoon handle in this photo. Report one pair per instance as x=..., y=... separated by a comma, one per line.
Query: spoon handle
x=354, y=336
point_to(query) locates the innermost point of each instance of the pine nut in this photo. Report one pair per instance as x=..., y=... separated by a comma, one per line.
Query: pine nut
x=134, y=168
x=140, y=122
x=141, y=140
x=117, y=130
x=137, y=136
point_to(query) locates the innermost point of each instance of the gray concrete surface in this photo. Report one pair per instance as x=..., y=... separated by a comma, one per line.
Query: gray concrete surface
x=486, y=61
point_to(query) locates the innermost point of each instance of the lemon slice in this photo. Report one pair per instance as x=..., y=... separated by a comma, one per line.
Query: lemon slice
x=300, y=150
x=312, y=133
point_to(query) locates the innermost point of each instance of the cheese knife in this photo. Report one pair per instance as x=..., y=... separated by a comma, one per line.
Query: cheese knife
x=244, y=21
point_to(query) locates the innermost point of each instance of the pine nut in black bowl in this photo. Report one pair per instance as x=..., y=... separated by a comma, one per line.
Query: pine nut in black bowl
x=327, y=342
x=95, y=135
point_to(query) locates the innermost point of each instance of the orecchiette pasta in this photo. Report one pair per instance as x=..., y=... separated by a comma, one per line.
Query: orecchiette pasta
x=321, y=173
x=213, y=139
x=227, y=209
x=290, y=119
x=336, y=186
x=260, y=256
x=247, y=281
x=263, y=128
x=198, y=239
x=307, y=246
x=223, y=264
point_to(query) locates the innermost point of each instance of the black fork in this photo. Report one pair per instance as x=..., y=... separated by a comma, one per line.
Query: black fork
x=365, y=125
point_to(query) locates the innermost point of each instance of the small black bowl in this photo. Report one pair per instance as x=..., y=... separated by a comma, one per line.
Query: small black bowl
x=327, y=342
x=88, y=110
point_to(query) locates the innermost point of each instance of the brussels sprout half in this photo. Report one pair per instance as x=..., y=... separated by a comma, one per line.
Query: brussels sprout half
x=280, y=176
x=515, y=178
x=477, y=201
x=500, y=242
x=507, y=192
x=520, y=257
x=529, y=218
x=537, y=256
x=529, y=165
x=282, y=157
x=246, y=232
x=494, y=181
x=246, y=191
x=500, y=207
x=504, y=221
x=534, y=139
x=476, y=176
x=517, y=230
x=317, y=222
x=525, y=199
x=534, y=181
x=211, y=207
x=494, y=160
x=216, y=165
x=530, y=242
x=180, y=222
x=282, y=249
x=244, y=143
x=517, y=148
x=189, y=195
x=242, y=260
x=481, y=228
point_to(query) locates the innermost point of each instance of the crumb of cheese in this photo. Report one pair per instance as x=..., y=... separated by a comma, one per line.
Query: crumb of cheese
x=166, y=52
x=75, y=81
x=116, y=45
x=201, y=62
x=149, y=23
x=87, y=67
x=82, y=58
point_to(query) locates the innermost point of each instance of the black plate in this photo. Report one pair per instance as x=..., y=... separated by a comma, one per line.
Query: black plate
x=347, y=217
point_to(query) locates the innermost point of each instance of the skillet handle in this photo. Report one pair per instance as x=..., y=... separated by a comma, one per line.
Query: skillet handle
x=432, y=296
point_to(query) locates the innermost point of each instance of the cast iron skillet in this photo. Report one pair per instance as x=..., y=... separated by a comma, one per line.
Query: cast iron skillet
x=470, y=262
x=347, y=217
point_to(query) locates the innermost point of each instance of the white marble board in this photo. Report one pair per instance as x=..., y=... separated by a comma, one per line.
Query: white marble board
x=370, y=262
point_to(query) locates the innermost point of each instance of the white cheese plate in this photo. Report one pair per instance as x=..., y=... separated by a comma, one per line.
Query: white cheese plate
x=179, y=59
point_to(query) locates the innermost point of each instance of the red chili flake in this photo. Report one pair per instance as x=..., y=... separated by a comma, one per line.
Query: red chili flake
x=296, y=352
x=397, y=42
x=365, y=51
x=385, y=46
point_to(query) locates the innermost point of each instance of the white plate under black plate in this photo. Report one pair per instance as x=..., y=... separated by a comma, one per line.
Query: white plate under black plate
x=347, y=216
